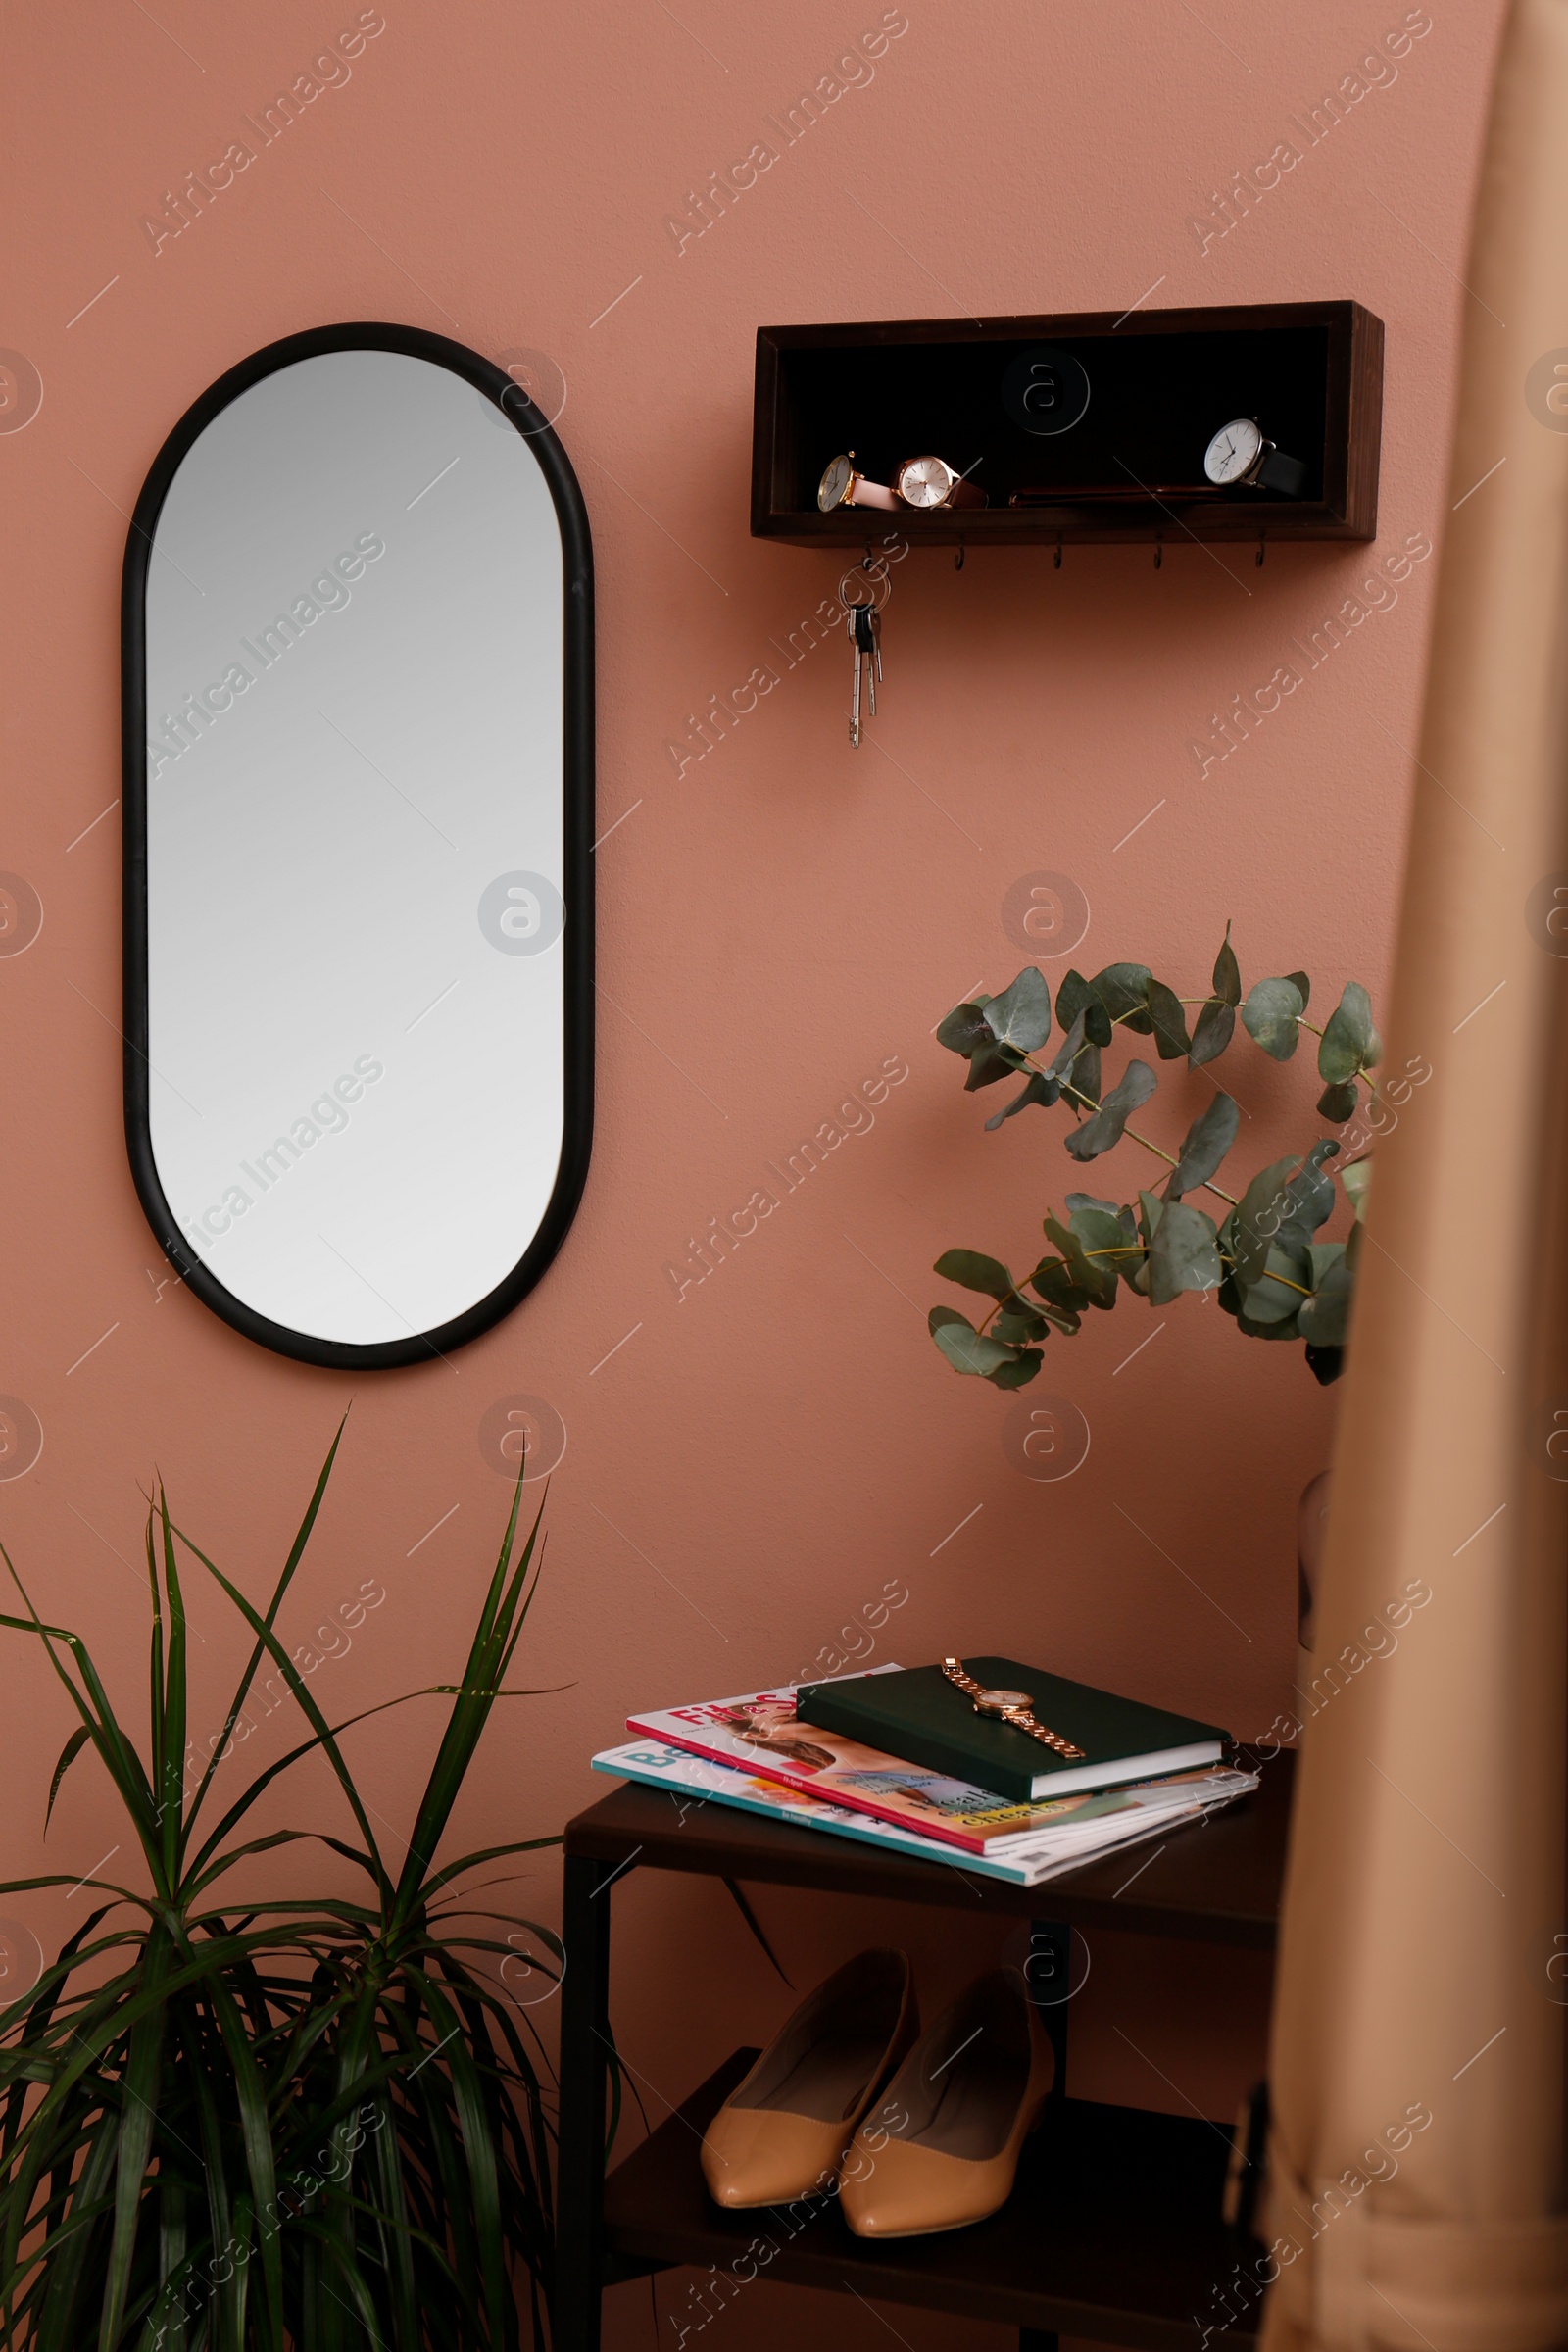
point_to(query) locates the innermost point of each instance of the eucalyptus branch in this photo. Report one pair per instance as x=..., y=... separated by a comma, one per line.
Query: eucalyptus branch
x=1266, y=1244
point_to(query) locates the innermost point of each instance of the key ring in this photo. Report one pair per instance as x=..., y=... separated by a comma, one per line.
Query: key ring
x=879, y=583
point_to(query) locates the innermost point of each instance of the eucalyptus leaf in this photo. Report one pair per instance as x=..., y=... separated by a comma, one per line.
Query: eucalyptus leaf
x=1305, y=985
x=1168, y=1021
x=1053, y=1279
x=1324, y=1363
x=1282, y=1289
x=1324, y=1317
x=1021, y=1015
x=990, y=1064
x=1271, y=1016
x=1203, y=1146
x=1103, y=1131
x=967, y=1030
x=1229, y=1294
x=1349, y=1043
x=964, y=1029
x=1017, y=1373
x=1123, y=990
x=1066, y=1299
x=1134, y=1268
x=975, y=1272
x=1093, y=1280
x=1083, y=1079
x=1357, y=1181
x=1104, y=1238
x=1212, y=1032
x=966, y=1348
x=1075, y=996
x=1257, y=1217
x=1338, y=1102
x=1071, y=1045
x=1283, y=1329
x=1015, y=1331
x=1150, y=1211
x=1037, y=1088
x=1309, y=1196
x=1227, y=976
x=1183, y=1255
x=1129, y=1250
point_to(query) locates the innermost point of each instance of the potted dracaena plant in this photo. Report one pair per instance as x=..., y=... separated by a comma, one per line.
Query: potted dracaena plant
x=1260, y=1253
x=232, y=2124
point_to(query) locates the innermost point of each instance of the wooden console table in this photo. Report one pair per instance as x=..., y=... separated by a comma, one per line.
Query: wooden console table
x=1114, y=2230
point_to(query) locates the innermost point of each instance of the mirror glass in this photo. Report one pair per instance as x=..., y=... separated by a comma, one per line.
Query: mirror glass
x=356, y=900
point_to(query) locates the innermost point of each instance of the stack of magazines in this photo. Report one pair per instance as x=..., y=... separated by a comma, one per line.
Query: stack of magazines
x=771, y=1753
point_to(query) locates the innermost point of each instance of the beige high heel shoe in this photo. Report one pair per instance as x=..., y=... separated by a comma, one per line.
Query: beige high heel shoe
x=940, y=2149
x=783, y=2130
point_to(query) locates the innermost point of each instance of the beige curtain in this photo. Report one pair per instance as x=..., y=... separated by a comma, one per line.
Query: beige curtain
x=1416, y=2179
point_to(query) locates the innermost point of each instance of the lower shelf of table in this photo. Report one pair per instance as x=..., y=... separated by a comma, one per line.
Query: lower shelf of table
x=1112, y=2230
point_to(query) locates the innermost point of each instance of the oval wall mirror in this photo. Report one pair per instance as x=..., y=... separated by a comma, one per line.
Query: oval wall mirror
x=358, y=640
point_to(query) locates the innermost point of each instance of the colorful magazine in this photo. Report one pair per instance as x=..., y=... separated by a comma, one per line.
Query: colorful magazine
x=692, y=1780
x=760, y=1734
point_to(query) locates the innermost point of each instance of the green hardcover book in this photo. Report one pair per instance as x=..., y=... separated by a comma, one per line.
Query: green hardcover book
x=921, y=1717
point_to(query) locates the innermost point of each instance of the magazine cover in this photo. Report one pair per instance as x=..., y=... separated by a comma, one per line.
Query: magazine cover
x=694, y=1780
x=759, y=1732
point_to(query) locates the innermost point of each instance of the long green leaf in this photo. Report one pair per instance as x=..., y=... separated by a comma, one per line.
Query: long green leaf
x=137, y=2115
x=296, y=1554
x=67, y=1756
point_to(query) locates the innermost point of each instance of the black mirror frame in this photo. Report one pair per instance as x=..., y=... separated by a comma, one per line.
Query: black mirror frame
x=577, y=891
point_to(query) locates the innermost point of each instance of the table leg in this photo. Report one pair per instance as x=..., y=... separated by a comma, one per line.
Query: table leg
x=580, y=2154
x=1050, y=1981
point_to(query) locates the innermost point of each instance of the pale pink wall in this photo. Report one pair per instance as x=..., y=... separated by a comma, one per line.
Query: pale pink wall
x=776, y=920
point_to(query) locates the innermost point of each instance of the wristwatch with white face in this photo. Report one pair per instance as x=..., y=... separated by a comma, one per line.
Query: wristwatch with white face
x=930, y=482
x=842, y=486
x=1240, y=458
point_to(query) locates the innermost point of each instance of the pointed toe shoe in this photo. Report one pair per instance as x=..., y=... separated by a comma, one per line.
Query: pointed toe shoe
x=783, y=2130
x=941, y=2149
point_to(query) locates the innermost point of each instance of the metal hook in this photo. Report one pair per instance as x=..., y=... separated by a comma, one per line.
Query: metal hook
x=1159, y=553
x=1260, y=551
x=1058, y=551
x=957, y=561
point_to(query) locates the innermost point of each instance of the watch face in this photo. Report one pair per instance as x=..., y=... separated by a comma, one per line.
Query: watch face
x=833, y=485
x=925, y=482
x=1232, y=451
x=994, y=1702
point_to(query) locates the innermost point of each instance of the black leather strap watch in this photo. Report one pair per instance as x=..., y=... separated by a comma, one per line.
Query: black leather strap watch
x=1241, y=457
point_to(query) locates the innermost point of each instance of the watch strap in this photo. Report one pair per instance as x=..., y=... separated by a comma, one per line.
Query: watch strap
x=861, y=493
x=1022, y=1719
x=1277, y=471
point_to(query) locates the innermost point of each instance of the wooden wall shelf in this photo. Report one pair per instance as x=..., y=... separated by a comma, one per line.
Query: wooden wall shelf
x=1161, y=384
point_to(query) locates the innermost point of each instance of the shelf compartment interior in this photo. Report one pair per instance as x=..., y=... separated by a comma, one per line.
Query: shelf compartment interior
x=1114, y=2230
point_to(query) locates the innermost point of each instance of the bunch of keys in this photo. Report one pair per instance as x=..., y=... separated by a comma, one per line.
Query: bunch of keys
x=865, y=637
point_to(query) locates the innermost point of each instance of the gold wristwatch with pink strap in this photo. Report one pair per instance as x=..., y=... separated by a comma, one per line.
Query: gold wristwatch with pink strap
x=927, y=483
x=842, y=485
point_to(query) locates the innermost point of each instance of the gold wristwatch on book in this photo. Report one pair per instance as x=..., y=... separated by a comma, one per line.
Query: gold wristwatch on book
x=1007, y=1707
